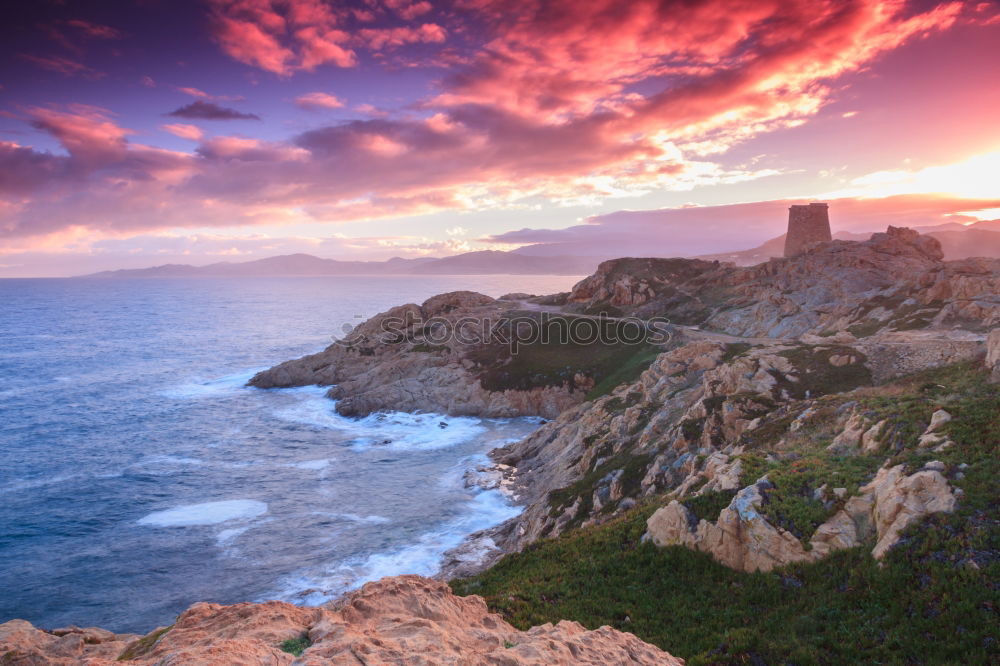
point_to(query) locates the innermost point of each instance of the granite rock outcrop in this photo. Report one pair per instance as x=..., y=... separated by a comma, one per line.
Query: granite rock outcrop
x=400, y=620
x=895, y=281
x=425, y=358
x=742, y=538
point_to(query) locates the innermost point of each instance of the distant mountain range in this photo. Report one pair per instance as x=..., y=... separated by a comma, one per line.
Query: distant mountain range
x=471, y=263
x=981, y=239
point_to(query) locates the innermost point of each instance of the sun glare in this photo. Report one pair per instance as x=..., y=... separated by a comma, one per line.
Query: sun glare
x=974, y=178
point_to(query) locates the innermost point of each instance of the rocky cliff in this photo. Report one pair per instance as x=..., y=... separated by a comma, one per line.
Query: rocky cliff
x=457, y=353
x=893, y=292
x=401, y=620
x=761, y=434
x=897, y=280
x=410, y=359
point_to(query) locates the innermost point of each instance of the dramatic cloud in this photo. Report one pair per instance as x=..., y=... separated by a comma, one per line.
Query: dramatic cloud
x=282, y=37
x=513, y=105
x=207, y=111
x=318, y=100
x=300, y=35
x=378, y=39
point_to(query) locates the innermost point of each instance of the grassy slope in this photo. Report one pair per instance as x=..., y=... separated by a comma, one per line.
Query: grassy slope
x=935, y=600
x=558, y=358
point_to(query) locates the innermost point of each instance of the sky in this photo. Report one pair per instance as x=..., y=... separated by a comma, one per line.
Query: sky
x=148, y=132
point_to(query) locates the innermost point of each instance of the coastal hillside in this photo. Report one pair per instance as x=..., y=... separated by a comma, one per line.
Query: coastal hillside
x=839, y=480
x=862, y=526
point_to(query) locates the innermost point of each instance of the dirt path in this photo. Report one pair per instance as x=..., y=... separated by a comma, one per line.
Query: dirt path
x=696, y=333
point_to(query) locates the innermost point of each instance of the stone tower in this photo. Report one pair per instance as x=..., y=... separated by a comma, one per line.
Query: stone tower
x=806, y=224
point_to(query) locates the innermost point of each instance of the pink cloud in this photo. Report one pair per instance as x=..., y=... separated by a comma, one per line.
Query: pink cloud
x=409, y=10
x=190, y=132
x=87, y=133
x=195, y=92
x=286, y=36
x=281, y=37
x=318, y=100
x=320, y=46
x=95, y=30
x=249, y=150
x=64, y=66
x=247, y=42
x=380, y=38
x=371, y=110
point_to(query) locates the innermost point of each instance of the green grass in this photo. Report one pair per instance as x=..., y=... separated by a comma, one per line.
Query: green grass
x=866, y=328
x=734, y=349
x=789, y=502
x=709, y=505
x=295, y=646
x=633, y=470
x=559, y=361
x=922, y=607
x=626, y=373
x=144, y=645
x=816, y=376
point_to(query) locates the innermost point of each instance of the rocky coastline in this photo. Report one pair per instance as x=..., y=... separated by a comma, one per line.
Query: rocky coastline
x=747, y=341
x=764, y=433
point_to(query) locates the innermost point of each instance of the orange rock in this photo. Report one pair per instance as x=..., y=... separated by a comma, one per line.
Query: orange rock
x=400, y=620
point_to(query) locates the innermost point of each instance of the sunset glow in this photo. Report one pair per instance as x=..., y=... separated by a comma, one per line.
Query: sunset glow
x=369, y=129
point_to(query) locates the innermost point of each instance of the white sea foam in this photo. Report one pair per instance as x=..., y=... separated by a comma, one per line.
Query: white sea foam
x=208, y=513
x=209, y=388
x=395, y=430
x=26, y=484
x=420, y=557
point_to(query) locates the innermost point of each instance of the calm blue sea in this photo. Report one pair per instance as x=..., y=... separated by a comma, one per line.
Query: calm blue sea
x=138, y=475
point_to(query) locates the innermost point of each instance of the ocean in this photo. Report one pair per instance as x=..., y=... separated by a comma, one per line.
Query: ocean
x=139, y=475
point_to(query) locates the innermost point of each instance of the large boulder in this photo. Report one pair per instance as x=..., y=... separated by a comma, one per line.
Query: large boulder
x=743, y=539
x=21, y=644
x=900, y=500
x=993, y=354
